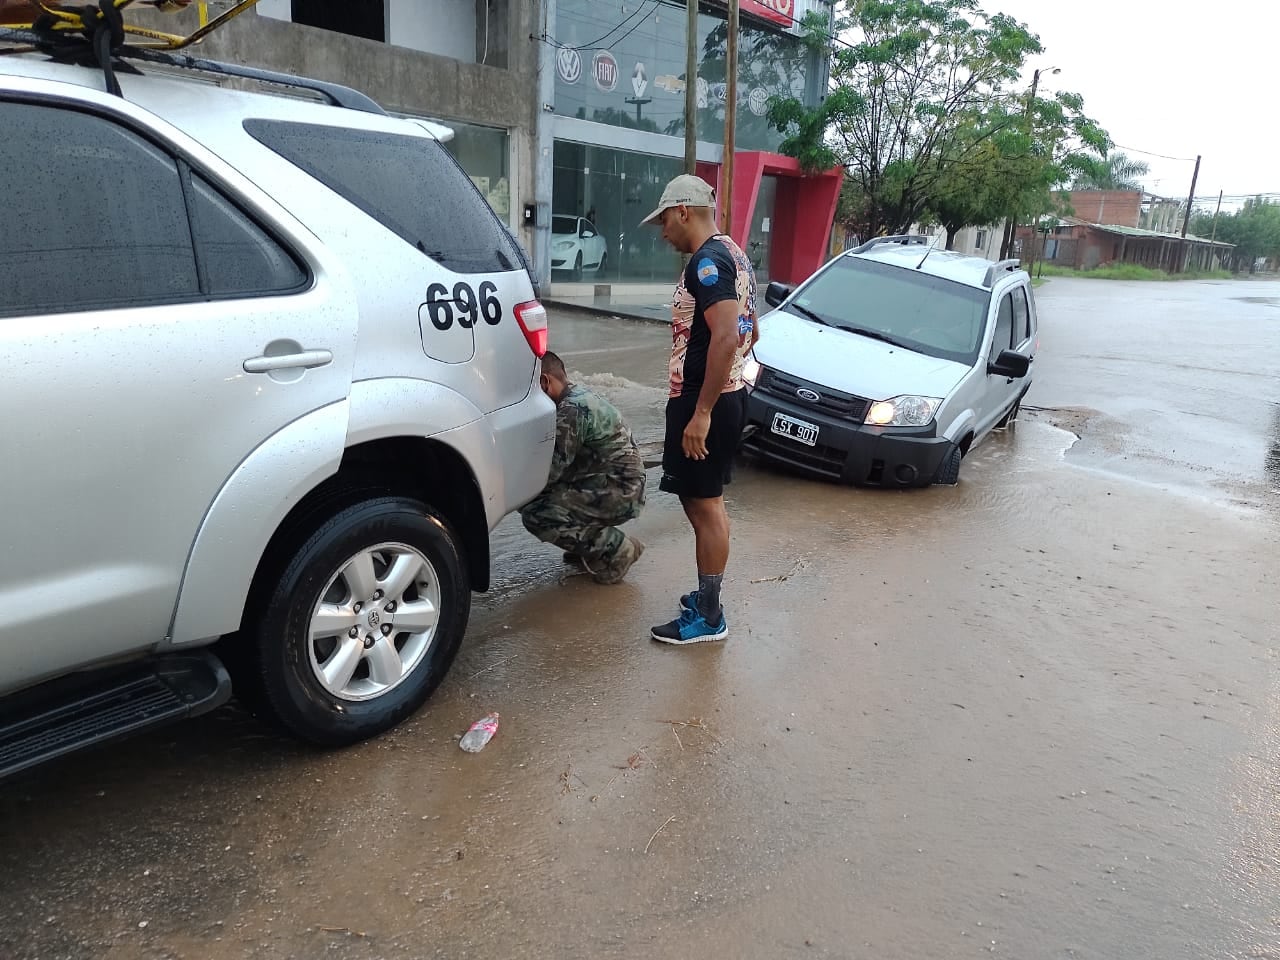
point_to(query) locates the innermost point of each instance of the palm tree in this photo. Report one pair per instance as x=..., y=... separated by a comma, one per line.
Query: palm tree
x=1117, y=172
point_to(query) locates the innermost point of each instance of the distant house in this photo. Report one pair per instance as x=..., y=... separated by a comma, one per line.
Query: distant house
x=1105, y=229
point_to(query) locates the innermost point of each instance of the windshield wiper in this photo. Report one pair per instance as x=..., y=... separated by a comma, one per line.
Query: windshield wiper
x=876, y=335
x=809, y=314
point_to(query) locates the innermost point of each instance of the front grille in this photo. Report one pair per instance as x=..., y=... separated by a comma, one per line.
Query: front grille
x=820, y=459
x=833, y=402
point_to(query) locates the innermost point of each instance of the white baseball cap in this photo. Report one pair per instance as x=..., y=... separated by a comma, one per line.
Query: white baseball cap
x=685, y=190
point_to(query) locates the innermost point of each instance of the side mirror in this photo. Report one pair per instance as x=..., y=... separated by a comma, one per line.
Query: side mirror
x=587, y=234
x=1010, y=364
x=776, y=293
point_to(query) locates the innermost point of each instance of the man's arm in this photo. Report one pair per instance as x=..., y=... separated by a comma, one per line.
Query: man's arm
x=755, y=329
x=568, y=439
x=722, y=320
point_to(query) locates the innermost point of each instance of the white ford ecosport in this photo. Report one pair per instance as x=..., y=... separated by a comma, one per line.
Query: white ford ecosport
x=890, y=363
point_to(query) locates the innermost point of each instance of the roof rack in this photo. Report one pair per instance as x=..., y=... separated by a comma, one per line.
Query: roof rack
x=908, y=240
x=335, y=93
x=998, y=267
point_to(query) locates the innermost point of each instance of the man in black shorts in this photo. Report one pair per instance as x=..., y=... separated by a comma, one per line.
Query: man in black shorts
x=713, y=329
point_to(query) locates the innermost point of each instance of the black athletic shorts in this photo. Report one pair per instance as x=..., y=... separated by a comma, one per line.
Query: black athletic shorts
x=702, y=479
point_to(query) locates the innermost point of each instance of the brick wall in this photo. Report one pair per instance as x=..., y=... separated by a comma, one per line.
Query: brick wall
x=1120, y=208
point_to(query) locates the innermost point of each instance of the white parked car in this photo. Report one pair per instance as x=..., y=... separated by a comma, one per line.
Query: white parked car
x=576, y=245
x=891, y=363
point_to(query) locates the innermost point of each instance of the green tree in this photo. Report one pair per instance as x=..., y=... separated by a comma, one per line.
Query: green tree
x=925, y=116
x=1016, y=169
x=1254, y=229
x=1116, y=172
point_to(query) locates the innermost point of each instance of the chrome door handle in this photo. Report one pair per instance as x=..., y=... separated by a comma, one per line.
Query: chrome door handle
x=289, y=361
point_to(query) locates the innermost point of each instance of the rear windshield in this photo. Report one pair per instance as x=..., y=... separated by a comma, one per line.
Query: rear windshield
x=920, y=312
x=411, y=185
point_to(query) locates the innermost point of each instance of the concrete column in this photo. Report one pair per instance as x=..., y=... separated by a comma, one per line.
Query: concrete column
x=543, y=150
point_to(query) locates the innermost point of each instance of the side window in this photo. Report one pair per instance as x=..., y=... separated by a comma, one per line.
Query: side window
x=409, y=184
x=94, y=216
x=1021, y=317
x=1003, y=338
x=237, y=258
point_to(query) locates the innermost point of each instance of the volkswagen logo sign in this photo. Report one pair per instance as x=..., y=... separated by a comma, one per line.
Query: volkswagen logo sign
x=804, y=393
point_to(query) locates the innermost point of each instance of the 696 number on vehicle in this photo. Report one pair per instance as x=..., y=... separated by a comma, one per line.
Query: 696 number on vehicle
x=465, y=305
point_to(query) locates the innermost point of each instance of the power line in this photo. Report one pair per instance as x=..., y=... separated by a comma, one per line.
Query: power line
x=595, y=44
x=1148, y=153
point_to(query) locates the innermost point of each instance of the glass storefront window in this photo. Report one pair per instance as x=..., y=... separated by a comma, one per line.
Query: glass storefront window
x=484, y=154
x=614, y=189
x=624, y=66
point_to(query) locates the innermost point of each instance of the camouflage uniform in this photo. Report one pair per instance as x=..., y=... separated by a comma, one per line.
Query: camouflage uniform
x=596, y=482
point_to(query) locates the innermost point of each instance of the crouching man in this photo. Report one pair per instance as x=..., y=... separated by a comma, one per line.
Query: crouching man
x=596, y=482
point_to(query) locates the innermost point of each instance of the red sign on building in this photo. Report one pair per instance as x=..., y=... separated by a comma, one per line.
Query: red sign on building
x=778, y=11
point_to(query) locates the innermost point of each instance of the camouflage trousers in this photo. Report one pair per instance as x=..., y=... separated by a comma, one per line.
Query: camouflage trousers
x=583, y=517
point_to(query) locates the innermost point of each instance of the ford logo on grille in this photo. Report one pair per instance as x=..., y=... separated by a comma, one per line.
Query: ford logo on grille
x=804, y=393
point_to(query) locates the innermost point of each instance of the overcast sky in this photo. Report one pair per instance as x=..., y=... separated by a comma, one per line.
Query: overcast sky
x=1174, y=77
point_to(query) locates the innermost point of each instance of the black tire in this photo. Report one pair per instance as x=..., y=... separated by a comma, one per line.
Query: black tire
x=604, y=260
x=949, y=470
x=577, y=269
x=1011, y=416
x=278, y=633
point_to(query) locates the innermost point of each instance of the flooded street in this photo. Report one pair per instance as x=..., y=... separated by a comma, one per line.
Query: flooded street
x=1036, y=715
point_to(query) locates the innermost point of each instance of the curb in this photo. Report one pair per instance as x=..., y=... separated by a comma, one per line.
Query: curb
x=594, y=311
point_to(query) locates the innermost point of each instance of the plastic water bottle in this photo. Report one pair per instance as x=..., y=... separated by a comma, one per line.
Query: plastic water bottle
x=480, y=733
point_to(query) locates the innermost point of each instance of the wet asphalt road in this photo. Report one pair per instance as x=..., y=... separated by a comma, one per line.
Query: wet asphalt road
x=1036, y=715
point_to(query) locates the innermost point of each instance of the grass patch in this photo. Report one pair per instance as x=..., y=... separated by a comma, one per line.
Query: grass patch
x=1130, y=271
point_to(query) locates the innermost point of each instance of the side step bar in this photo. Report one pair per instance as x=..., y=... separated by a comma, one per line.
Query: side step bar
x=121, y=702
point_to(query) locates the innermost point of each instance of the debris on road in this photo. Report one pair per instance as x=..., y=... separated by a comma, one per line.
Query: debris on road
x=479, y=734
x=782, y=578
x=655, y=834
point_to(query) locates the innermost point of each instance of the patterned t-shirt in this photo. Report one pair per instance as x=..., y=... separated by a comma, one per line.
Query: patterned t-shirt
x=719, y=271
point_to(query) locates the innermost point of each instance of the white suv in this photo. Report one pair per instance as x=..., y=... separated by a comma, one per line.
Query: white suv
x=271, y=380
x=890, y=363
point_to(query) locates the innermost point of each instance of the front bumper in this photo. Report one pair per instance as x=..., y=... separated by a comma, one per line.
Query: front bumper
x=846, y=451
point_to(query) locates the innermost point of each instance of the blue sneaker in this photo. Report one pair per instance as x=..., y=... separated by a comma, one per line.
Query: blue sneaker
x=689, y=601
x=691, y=627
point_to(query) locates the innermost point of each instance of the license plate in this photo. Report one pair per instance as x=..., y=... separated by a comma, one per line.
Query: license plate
x=793, y=429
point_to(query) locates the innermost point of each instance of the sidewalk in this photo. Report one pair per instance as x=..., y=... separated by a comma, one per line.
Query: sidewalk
x=653, y=307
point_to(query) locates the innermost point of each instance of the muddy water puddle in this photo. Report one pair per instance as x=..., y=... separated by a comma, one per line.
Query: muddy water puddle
x=1031, y=716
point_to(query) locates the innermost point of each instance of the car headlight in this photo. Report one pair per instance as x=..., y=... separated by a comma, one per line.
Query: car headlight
x=564, y=245
x=751, y=371
x=903, y=412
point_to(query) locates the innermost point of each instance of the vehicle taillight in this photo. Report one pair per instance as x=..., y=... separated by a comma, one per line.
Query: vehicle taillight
x=532, y=317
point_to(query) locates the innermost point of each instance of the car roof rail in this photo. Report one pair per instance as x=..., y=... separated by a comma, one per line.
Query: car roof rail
x=1002, y=265
x=906, y=239
x=335, y=93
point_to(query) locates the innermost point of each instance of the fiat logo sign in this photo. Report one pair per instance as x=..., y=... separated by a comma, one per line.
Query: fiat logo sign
x=604, y=68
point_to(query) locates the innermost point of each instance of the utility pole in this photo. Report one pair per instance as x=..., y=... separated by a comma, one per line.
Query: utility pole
x=730, y=120
x=1216, y=211
x=1186, y=220
x=1011, y=228
x=691, y=90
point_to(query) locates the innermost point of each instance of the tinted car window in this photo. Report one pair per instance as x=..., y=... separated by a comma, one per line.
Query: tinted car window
x=236, y=256
x=1021, y=317
x=564, y=225
x=93, y=216
x=924, y=313
x=408, y=184
x=1003, y=338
